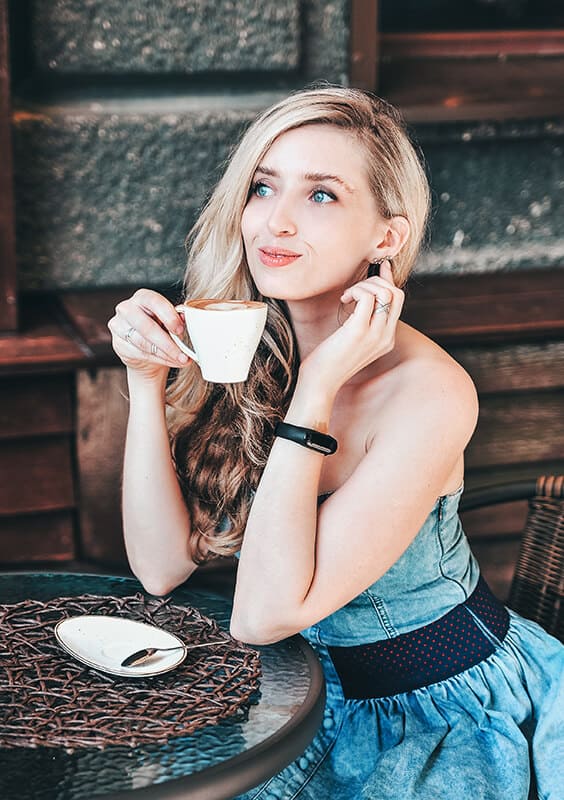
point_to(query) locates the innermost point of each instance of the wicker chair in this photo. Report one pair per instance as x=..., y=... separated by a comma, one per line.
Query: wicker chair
x=537, y=589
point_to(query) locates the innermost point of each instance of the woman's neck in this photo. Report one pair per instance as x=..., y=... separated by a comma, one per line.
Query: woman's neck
x=314, y=320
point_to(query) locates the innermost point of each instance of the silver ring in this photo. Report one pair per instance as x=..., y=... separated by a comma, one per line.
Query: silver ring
x=129, y=334
x=154, y=349
x=382, y=308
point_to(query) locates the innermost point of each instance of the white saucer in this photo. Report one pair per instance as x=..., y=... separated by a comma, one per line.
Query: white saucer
x=103, y=642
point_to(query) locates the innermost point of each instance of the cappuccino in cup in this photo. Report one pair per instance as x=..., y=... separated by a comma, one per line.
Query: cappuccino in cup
x=224, y=334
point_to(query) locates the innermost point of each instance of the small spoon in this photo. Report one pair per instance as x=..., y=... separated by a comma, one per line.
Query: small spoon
x=140, y=656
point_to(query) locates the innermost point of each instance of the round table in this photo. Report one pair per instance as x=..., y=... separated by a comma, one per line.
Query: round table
x=217, y=762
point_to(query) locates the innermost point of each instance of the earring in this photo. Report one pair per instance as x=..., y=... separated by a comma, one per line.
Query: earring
x=374, y=267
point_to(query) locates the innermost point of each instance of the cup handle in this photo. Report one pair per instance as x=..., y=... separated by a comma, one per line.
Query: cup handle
x=180, y=343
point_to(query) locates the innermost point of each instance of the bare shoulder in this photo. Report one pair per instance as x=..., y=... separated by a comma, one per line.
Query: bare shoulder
x=419, y=353
x=416, y=410
x=432, y=383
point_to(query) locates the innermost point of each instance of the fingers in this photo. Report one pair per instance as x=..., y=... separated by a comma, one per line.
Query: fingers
x=141, y=326
x=138, y=357
x=134, y=345
x=147, y=335
x=365, y=299
x=385, y=280
x=386, y=271
x=377, y=301
x=160, y=309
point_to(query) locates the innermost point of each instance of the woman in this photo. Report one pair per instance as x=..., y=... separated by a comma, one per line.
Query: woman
x=432, y=686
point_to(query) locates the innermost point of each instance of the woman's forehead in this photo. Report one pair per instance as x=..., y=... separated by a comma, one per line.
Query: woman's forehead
x=315, y=150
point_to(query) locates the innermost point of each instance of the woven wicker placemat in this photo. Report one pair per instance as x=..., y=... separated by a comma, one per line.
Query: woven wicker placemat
x=49, y=699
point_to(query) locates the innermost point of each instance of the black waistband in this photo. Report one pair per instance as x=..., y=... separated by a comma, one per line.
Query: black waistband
x=462, y=638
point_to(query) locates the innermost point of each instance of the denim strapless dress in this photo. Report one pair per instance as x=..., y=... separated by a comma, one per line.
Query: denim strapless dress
x=492, y=731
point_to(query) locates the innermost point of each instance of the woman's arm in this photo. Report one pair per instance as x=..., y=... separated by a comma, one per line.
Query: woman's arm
x=299, y=565
x=155, y=518
x=156, y=523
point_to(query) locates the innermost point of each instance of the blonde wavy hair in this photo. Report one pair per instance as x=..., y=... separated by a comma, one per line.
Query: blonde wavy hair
x=221, y=434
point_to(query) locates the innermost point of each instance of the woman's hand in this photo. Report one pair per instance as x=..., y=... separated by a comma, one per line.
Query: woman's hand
x=374, y=307
x=140, y=334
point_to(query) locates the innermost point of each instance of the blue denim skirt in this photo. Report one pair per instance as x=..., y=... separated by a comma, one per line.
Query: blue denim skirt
x=434, y=689
x=493, y=731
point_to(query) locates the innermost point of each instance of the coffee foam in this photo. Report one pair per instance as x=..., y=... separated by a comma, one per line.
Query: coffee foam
x=223, y=305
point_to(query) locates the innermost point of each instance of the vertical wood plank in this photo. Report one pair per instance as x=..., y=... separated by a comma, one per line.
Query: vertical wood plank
x=102, y=409
x=8, y=296
x=364, y=44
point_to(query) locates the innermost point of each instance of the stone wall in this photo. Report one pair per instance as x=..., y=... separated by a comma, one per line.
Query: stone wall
x=130, y=108
x=498, y=195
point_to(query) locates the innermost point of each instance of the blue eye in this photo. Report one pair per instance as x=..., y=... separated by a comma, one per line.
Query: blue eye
x=321, y=196
x=261, y=189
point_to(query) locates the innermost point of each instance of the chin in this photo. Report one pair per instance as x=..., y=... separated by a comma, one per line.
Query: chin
x=274, y=289
x=289, y=288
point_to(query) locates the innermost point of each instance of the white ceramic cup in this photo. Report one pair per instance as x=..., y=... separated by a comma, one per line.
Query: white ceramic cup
x=224, y=334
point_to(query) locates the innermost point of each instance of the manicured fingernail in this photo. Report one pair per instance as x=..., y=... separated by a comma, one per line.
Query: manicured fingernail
x=183, y=358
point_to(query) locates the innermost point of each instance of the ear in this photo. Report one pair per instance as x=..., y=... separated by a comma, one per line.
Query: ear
x=396, y=235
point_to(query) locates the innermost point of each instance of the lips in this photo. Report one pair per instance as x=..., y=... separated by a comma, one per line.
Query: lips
x=276, y=256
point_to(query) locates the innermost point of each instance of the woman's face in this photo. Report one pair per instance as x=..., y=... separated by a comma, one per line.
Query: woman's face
x=311, y=224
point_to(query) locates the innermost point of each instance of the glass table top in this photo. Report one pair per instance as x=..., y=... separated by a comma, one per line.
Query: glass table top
x=283, y=720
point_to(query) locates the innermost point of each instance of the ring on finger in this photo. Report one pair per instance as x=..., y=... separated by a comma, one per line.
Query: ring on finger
x=129, y=334
x=382, y=308
x=154, y=349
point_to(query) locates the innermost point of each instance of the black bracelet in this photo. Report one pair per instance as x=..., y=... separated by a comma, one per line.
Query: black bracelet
x=307, y=437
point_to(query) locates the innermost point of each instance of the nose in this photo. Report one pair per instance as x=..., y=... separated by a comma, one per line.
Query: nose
x=281, y=221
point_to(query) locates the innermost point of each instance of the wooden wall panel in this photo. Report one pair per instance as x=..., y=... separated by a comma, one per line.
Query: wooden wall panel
x=516, y=306
x=510, y=368
x=484, y=88
x=36, y=475
x=30, y=406
x=45, y=342
x=518, y=428
x=102, y=418
x=41, y=537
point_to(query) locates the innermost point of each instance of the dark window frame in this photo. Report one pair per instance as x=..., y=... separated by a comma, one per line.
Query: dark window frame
x=458, y=76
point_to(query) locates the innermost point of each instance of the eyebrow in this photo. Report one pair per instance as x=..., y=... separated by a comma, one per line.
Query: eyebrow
x=311, y=177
